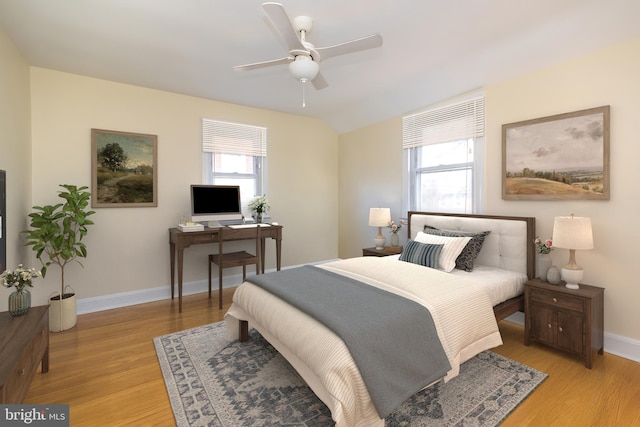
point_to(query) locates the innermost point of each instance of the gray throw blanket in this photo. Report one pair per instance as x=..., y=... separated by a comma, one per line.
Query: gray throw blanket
x=393, y=340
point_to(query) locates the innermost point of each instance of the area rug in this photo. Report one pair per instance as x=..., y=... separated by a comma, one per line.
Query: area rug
x=212, y=381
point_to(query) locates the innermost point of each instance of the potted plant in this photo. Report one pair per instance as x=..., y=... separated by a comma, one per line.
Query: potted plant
x=56, y=235
x=260, y=206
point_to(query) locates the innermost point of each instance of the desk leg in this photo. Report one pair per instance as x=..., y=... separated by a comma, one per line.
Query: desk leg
x=172, y=256
x=262, y=253
x=180, y=259
x=278, y=253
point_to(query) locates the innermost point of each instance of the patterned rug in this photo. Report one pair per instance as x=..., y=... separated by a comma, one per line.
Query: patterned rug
x=214, y=382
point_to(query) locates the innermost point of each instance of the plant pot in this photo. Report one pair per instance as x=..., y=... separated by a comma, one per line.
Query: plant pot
x=62, y=312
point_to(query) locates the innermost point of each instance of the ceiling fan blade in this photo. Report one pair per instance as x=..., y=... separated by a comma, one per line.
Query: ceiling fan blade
x=368, y=42
x=279, y=18
x=263, y=64
x=319, y=82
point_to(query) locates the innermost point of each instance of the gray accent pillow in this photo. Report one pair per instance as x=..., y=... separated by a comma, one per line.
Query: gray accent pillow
x=421, y=253
x=471, y=250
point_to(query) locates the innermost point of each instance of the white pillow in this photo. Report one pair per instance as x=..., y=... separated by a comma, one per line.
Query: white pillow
x=453, y=246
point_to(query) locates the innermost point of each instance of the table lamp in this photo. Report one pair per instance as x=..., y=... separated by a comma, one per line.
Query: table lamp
x=572, y=232
x=379, y=217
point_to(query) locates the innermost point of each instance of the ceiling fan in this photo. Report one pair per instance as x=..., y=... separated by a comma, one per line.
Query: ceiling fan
x=304, y=58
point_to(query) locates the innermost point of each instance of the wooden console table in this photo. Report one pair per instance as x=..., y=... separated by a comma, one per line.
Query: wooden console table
x=24, y=344
x=179, y=240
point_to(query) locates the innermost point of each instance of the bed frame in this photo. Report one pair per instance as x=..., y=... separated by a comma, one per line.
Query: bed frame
x=506, y=247
x=510, y=245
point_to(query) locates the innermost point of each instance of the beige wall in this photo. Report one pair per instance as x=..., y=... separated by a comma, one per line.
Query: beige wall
x=15, y=150
x=128, y=247
x=608, y=77
x=369, y=178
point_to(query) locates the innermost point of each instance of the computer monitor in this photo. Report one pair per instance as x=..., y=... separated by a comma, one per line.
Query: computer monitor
x=215, y=204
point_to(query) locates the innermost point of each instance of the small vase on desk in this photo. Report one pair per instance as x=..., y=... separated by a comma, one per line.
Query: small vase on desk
x=395, y=240
x=543, y=263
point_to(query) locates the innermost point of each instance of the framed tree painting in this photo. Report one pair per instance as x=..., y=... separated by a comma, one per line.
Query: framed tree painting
x=124, y=169
x=561, y=157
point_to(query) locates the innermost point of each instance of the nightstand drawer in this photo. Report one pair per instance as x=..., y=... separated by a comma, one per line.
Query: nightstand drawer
x=557, y=300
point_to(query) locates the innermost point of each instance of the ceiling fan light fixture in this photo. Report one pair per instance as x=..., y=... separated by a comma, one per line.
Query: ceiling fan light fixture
x=303, y=67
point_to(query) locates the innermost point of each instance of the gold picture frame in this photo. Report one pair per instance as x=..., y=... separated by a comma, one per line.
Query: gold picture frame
x=124, y=169
x=561, y=157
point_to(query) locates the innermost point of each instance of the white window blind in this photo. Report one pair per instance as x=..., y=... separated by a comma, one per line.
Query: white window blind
x=462, y=120
x=233, y=138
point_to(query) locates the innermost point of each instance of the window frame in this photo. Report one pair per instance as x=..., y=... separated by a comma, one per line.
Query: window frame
x=257, y=148
x=426, y=132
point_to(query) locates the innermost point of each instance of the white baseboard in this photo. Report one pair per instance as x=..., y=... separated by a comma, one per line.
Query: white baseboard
x=125, y=299
x=613, y=344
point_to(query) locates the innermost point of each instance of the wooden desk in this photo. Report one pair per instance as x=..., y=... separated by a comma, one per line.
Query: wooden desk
x=179, y=240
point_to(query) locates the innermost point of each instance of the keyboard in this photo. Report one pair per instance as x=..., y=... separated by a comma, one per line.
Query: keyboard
x=249, y=225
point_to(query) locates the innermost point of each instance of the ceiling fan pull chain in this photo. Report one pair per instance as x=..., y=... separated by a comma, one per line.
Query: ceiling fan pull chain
x=304, y=84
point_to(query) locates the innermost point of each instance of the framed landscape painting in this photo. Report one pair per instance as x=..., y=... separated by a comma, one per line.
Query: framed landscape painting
x=124, y=169
x=562, y=157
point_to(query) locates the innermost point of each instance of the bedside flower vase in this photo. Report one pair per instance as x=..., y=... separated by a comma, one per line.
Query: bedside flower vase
x=395, y=240
x=19, y=302
x=543, y=263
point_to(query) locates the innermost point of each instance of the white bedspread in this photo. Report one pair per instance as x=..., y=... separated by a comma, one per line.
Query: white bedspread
x=462, y=313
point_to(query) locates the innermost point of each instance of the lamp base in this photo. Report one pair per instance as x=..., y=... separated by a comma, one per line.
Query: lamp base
x=572, y=277
x=379, y=242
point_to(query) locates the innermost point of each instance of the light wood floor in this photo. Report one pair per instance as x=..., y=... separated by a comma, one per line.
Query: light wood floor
x=107, y=370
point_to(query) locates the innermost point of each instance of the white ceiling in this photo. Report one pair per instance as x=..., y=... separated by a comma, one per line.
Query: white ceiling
x=433, y=49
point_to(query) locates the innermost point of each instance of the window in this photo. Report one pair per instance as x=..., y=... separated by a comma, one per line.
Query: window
x=235, y=154
x=443, y=158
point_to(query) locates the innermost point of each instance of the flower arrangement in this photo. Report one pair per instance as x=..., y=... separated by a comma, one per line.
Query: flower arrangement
x=543, y=247
x=260, y=204
x=19, y=278
x=393, y=227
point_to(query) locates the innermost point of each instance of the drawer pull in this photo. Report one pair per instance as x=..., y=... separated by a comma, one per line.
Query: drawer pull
x=549, y=325
x=21, y=371
x=560, y=328
x=555, y=299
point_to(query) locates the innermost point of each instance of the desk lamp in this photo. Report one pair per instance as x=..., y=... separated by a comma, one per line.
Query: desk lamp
x=572, y=232
x=379, y=217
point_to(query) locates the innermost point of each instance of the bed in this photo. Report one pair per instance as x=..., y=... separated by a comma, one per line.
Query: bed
x=464, y=305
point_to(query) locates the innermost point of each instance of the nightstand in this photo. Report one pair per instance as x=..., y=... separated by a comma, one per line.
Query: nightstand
x=388, y=250
x=566, y=319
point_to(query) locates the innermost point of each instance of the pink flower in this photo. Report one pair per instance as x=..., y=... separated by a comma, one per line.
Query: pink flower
x=393, y=227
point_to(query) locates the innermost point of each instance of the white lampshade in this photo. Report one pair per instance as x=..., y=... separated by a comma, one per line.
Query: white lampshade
x=379, y=217
x=572, y=232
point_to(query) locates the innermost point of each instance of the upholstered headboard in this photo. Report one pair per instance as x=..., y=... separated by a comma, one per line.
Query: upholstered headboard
x=509, y=246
